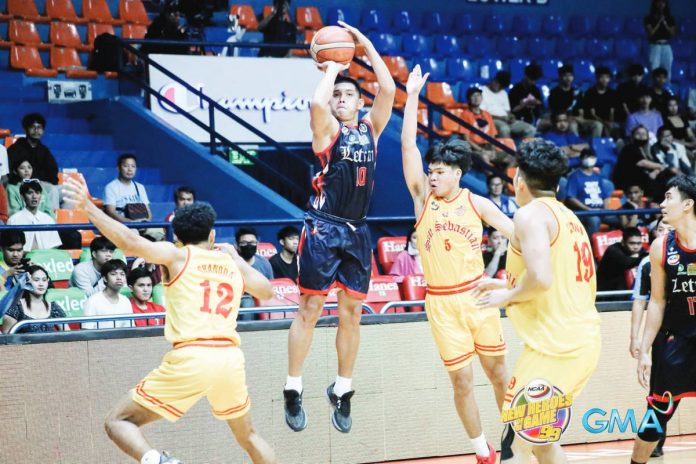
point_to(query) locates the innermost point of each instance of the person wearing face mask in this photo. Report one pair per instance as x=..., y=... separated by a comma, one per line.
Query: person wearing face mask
x=636, y=165
x=247, y=242
x=408, y=261
x=588, y=191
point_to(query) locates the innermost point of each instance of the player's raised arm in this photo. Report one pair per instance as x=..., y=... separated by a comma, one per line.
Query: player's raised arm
x=254, y=282
x=416, y=181
x=323, y=124
x=384, y=100
x=493, y=216
x=126, y=239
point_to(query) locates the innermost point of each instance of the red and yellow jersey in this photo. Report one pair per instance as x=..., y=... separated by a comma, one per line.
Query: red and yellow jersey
x=563, y=319
x=449, y=237
x=203, y=298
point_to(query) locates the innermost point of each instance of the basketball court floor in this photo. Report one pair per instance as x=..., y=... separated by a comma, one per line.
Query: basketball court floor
x=678, y=450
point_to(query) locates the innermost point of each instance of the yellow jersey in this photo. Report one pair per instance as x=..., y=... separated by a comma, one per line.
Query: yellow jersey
x=203, y=298
x=563, y=319
x=449, y=235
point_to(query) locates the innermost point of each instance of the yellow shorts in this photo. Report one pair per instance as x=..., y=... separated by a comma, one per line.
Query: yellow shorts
x=188, y=373
x=569, y=374
x=461, y=329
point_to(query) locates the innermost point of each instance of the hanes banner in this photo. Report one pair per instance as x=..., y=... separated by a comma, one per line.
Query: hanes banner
x=271, y=94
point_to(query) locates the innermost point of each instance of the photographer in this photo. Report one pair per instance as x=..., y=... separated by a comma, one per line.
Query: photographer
x=13, y=262
x=166, y=27
x=277, y=27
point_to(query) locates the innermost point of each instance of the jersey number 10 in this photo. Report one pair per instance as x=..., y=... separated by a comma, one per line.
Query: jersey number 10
x=225, y=292
x=584, y=262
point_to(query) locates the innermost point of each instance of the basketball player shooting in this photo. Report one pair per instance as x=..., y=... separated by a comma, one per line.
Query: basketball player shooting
x=204, y=283
x=335, y=246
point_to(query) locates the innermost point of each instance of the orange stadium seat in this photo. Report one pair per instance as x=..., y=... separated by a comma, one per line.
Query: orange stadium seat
x=133, y=11
x=414, y=289
x=29, y=60
x=614, y=203
x=508, y=142
x=266, y=249
x=25, y=33
x=267, y=10
x=372, y=87
x=357, y=71
x=617, y=193
x=423, y=119
x=397, y=67
x=308, y=17
x=25, y=9
x=602, y=240
x=94, y=30
x=440, y=93
x=449, y=126
x=66, y=35
x=63, y=10
x=74, y=216
x=375, y=269
x=133, y=31
x=308, y=36
x=247, y=17
x=387, y=249
x=383, y=289
x=98, y=11
x=68, y=61
x=285, y=293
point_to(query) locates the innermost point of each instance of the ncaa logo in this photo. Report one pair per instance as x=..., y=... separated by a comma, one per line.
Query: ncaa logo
x=672, y=260
x=538, y=390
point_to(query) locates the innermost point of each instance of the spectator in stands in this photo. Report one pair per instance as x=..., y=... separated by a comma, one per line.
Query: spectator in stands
x=33, y=305
x=599, y=104
x=140, y=284
x=23, y=171
x=277, y=27
x=166, y=27
x=87, y=275
x=670, y=154
x=619, y=258
x=496, y=102
x=408, y=261
x=495, y=193
x=629, y=92
x=30, y=148
x=661, y=27
x=182, y=196
x=31, y=192
x=525, y=97
x=494, y=260
x=634, y=200
x=564, y=138
x=565, y=98
x=646, y=117
x=4, y=215
x=247, y=242
x=679, y=126
x=691, y=108
x=658, y=91
x=109, y=301
x=154, y=269
x=284, y=264
x=483, y=121
x=13, y=263
x=636, y=165
x=588, y=191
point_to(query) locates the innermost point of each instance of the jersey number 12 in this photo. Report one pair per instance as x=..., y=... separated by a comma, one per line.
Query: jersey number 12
x=225, y=292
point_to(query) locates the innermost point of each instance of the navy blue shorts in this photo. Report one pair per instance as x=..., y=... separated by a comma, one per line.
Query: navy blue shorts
x=334, y=254
x=674, y=366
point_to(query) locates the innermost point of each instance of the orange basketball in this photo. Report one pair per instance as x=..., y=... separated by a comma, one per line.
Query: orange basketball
x=332, y=43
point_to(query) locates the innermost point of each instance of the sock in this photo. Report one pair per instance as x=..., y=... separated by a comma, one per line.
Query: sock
x=151, y=457
x=480, y=446
x=342, y=386
x=636, y=462
x=294, y=383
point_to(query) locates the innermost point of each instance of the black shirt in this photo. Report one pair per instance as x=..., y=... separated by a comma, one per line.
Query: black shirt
x=659, y=100
x=679, y=133
x=518, y=93
x=163, y=30
x=628, y=94
x=42, y=161
x=602, y=103
x=611, y=273
x=661, y=33
x=561, y=101
x=278, y=30
x=488, y=257
x=680, y=267
x=643, y=219
x=281, y=269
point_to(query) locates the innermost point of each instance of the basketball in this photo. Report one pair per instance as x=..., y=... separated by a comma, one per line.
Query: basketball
x=332, y=43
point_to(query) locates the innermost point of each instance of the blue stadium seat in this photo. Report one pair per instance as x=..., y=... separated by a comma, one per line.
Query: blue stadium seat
x=216, y=34
x=516, y=67
x=403, y=21
x=416, y=45
x=549, y=67
x=581, y=26
x=461, y=69
x=569, y=48
x=386, y=44
x=553, y=25
x=466, y=24
x=680, y=72
x=497, y=24
x=633, y=27
x=373, y=20
x=436, y=22
x=447, y=45
x=526, y=25
x=251, y=37
x=541, y=47
x=692, y=70
x=605, y=148
x=335, y=14
x=584, y=72
x=683, y=48
x=609, y=26
x=510, y=47
x=598, y=48
x=436, y=68
x=489, y=67
x=627, y=49
x=480, y=46
x=687, y=27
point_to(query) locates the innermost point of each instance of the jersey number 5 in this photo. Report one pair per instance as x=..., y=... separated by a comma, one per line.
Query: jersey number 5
x=225, y=292
x=361, y=178
x=584, y=262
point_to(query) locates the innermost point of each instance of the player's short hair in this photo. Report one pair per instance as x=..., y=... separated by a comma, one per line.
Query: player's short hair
x=126, y=156
x=32, y=118
x=12, y=237
x=455, y=153
x=245, y=231
x=288, y=231
x=630, y=232
x=101, y=243
x=686, y=186
x=345, y=79
x=193, y=223
x=34, y=185
x=184, y=189
x=113, y=265
x=542, y=164
x=566, y=69
x=138, y=273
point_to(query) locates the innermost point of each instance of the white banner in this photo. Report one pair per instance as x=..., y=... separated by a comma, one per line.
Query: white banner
x=271, y=94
